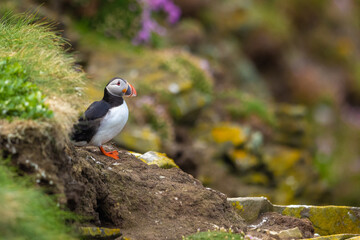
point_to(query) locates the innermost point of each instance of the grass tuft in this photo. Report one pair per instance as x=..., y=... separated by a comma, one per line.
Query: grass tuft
x=46, y=68
x=30, y=40
x=27, y=213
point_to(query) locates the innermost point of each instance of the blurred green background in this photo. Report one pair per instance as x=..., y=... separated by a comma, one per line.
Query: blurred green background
x=251, y=97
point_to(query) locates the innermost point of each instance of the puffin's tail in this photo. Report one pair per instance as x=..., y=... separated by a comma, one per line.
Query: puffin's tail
x=83, y=132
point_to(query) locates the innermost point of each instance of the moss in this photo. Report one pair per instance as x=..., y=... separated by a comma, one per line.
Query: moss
x=293, y=211
x=343, y=220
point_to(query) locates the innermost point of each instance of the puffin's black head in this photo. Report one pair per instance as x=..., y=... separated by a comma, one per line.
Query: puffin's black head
x=120, y=88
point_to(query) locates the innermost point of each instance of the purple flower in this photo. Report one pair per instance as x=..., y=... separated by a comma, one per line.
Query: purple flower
x=149, y=25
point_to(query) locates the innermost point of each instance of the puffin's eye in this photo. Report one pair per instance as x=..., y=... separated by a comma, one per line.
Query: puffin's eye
x=118, y=83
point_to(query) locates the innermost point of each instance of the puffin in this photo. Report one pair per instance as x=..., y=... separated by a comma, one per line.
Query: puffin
x=104, y=119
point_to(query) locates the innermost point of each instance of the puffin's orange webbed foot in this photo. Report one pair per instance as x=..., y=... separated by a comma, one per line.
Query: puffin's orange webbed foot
x=112, y=154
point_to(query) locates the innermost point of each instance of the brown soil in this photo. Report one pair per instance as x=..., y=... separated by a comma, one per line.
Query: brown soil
x=146, y=202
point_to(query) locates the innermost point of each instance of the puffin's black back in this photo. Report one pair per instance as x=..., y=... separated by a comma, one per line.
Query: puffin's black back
x=89, y=123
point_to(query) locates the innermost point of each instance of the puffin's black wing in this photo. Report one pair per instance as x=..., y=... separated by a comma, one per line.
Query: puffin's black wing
x=89, y=123
x=97, y=110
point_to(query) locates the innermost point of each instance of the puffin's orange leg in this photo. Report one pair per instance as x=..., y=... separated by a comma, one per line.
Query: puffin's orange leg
x=112, y=154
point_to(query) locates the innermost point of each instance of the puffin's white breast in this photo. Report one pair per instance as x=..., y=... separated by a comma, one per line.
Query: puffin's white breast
x=112, y=124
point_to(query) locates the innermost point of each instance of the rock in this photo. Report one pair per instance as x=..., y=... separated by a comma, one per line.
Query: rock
x=327, y=220
x=293, y=233
x=99, y=233
x=249, y=208
x=159, y=159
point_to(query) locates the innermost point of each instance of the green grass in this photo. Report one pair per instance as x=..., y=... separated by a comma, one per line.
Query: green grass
x=26, y=39
x=42, y=71
x=27, y=213
x=214, y=235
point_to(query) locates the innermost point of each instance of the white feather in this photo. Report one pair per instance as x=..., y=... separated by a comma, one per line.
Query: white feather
x=112, y=124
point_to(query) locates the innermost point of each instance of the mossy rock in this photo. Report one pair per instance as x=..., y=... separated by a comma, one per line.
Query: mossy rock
x=159, y=159
x=99, y=233
x=327, y=220
x=331, y=222
x=250, y=208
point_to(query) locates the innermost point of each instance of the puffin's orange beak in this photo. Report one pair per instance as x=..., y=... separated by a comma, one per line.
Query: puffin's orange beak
x=130, y=92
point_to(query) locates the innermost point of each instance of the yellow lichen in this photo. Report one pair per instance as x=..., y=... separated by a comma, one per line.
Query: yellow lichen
x=334, y=220
x=227, y=132
x=239, y=207
x=293, y=211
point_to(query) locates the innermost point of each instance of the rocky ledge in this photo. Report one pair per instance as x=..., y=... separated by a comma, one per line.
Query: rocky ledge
x=135, y=198
x=144, y=201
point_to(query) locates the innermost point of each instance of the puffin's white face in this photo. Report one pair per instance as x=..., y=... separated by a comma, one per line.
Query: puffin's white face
x=121, y=88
